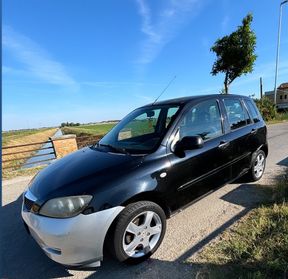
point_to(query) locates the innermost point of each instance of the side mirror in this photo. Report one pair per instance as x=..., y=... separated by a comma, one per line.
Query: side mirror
x=189, y=143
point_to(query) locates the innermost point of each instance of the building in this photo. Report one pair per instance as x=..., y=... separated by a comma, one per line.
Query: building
x=281, y=96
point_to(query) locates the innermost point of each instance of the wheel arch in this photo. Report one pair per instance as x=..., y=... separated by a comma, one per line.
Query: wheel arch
x=264, y=148
x=144, y=196
x=149, y=196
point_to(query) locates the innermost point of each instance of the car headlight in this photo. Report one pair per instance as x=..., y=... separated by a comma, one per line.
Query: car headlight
x=65, y=207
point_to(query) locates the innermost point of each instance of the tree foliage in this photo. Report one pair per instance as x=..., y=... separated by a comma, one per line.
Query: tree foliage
x=68, y=124
x=235, y=53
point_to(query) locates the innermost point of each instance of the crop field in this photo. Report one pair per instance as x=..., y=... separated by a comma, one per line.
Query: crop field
x=89, y=130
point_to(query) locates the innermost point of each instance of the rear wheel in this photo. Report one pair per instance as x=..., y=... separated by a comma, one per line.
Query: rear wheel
x=139, y=231
x=257, y=165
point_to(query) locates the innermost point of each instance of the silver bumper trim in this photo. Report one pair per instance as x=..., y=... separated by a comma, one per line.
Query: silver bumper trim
x=73, y=241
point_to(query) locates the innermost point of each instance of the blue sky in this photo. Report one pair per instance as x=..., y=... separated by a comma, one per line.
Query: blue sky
x=87, y=61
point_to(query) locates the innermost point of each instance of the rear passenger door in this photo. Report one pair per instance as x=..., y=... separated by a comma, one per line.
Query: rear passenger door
x=240, y=134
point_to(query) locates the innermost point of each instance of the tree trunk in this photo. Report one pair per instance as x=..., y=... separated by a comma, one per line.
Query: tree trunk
x=226, y=84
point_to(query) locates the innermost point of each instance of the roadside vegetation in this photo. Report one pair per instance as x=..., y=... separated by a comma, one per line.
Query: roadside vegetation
x=269, y=112
x=18, y=138
x=256, y=247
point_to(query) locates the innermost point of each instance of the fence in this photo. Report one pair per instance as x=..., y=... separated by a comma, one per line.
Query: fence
x=38, y=153
x=23, y=155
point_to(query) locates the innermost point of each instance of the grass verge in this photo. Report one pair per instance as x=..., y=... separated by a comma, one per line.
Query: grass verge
x=22, y=172
x=279, y=118
x=256, y=247
x=13, y=137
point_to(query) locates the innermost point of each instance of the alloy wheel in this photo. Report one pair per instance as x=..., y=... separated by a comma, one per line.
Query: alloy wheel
x=259, y=165
x=142, y=234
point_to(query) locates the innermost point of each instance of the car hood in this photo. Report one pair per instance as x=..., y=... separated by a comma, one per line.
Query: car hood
x=81, y=172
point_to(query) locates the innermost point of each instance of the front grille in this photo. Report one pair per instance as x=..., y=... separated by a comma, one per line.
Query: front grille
x=28, y=204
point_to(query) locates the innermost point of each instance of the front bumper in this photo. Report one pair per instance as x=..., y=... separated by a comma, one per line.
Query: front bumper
x=76, y=241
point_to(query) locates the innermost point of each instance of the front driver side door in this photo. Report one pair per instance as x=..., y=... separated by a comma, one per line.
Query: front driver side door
x=204, y=169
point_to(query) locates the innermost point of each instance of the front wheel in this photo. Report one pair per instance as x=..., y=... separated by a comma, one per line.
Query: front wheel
x=257, y=165
x=139, y=231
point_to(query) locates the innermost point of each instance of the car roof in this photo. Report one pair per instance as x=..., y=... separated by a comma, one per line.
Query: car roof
x=185, y=100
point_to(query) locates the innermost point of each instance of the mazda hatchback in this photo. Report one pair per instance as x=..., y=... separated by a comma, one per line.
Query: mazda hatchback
x=158, y=159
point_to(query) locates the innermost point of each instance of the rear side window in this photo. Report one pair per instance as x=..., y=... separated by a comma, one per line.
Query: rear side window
x=237, y=115
x=253, y=111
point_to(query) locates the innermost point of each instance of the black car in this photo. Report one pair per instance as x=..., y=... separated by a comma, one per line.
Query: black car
x=158, y=159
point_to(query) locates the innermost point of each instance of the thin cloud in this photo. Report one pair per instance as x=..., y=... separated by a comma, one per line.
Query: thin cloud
x=164, y=27
x=224, y=23
x=266, y=71
x=144, y=97
x=36, y=60
x=111, y=84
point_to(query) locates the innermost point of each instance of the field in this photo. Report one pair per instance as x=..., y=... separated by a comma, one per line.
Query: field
x=22, y=137
x=89, y=130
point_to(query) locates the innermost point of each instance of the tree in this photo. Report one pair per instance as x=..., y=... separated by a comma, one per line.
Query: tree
x=235, y=53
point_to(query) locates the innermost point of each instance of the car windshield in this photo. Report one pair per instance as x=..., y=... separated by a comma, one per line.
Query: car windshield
x=141, y=131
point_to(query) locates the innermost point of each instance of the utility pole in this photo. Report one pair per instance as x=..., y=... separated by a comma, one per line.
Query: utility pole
x=277, y=53
x=261, y=88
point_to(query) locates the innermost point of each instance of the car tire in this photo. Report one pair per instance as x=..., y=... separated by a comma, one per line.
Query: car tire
x=258, y=164
x=138, y=232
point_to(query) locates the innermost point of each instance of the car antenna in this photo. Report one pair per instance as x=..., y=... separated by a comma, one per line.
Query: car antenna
x=170, y=82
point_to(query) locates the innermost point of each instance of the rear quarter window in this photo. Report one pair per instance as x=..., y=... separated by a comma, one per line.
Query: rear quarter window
x=237, y=114
x=253, y=111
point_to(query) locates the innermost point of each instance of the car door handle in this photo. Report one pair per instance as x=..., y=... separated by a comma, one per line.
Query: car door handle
x=253, y=131
x=223, y=144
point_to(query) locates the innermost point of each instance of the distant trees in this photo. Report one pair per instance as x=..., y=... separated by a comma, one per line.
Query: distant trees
x=67, y=124
x=235, y=53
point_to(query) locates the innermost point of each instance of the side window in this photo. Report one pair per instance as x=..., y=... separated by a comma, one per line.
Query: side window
x=237, y=115
x=203, y=120
x=253, y=111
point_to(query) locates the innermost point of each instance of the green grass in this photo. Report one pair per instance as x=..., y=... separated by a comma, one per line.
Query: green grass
x=257, y=247
x=85, y=130
x=17, y=134
x=138, y=128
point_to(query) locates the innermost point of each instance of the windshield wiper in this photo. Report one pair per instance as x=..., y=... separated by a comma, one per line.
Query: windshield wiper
x=117, y=149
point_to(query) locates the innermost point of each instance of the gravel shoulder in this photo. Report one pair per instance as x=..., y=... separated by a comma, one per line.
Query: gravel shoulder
x=187, y=232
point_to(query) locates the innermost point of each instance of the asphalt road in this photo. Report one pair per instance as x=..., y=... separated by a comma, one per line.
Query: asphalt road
x=187, y=232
